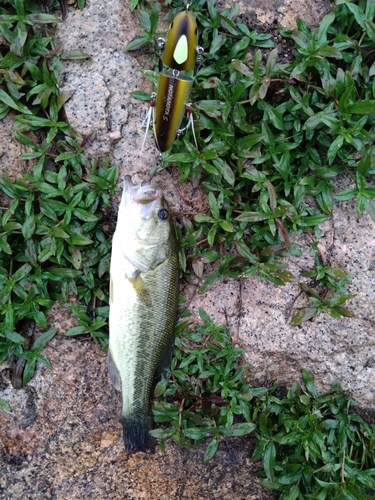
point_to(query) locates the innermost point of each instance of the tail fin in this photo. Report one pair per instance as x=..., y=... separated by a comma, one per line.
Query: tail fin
x=137, y=435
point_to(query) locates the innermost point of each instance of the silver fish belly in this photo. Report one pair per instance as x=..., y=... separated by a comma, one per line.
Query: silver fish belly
x=144, y=290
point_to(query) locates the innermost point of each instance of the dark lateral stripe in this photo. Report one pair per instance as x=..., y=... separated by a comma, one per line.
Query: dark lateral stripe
x=172, y=95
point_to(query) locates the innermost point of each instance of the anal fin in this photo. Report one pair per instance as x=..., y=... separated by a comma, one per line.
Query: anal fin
x=113, y=372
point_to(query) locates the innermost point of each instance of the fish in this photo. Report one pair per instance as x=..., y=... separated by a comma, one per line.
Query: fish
x=144, y=291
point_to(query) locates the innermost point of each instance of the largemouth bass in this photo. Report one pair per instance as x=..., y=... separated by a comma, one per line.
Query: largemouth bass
x=144, y=290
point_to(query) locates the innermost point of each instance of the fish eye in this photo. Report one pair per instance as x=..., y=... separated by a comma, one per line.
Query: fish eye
x=163, y=214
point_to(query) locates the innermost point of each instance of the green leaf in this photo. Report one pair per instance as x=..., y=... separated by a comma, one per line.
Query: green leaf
x=22, y=272
x=137, y=43
x=141, y=95
x=4, y=246
x=197, y=433
x=76, y=330
x=323, y=27
x=160, y=387
x=275, y=117
x=203, y=218
x=28, y=371
x=341, y=311
x=271, y=61
x=357, y=12
x=347, y=194
x=269, y=461
x=293, y=493
x=211, y=450
x=84, y=215
x=6, y=99
x=242, y=68
x=28, y=227
x=304, y=314
x=335, y=272
x=42, y=18
x=314, y=220
x=250, y=140
x=370, y=30
x=252, y=217
x=217, y=43
x=59, y=273
x=14, y=337
x=309, y=383
x=241, y=429
x=43, y=339
x=328, y=51
x=362, y=107
x=213, y=205
x=77, y=239
x=76, y=257
x=211, y=108
x=227, y=226
x=334, y=148
x=4, y=405
x=225, y=170
x=205, y=317
x=74, y=55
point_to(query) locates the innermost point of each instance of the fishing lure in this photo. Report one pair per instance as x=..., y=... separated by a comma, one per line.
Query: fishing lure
x=169, y=103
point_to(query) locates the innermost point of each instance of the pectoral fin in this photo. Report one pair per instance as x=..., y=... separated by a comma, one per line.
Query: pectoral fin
x=113, y=372
x=111, y=292
x=140, y=289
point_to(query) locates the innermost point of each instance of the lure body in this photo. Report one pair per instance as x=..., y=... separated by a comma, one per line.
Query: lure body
x=174, y=86
x=170, y=106
x=144, y=289
x=181, y=43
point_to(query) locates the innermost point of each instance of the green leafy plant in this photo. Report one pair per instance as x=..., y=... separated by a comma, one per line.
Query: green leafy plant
x=310, y=446
x=205, y=395
x=272, y=138
x=53, y=248
x=272, y=135
x=314, y=446
x=54, y=242
x=149, y=22
x=329, y=294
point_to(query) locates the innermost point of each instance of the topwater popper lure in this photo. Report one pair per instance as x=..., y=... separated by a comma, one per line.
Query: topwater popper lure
x=171, y=99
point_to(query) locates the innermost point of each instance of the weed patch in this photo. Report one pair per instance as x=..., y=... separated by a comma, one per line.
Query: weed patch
x=310, y=446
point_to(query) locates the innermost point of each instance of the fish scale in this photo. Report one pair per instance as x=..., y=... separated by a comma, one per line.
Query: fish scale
x=143, y=309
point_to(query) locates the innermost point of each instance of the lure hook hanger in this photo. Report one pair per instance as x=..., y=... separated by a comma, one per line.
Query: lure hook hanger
x=155, y=169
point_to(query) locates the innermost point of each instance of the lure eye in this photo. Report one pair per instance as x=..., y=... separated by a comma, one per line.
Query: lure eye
x=163, y=214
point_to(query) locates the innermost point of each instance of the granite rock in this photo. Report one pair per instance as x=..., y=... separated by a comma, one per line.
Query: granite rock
x=285, y=12
x=11, y=149
x=62, y=438
x=333, y=350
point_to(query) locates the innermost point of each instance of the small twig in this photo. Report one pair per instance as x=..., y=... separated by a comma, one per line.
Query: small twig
x=180, y=410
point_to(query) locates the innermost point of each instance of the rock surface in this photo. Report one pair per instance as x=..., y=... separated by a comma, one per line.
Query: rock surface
x=10, y=150
x=63, y=440
x=285, y=12
x=63, y=436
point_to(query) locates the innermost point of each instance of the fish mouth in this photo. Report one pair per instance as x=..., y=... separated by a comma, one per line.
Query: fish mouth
x=144, y=195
